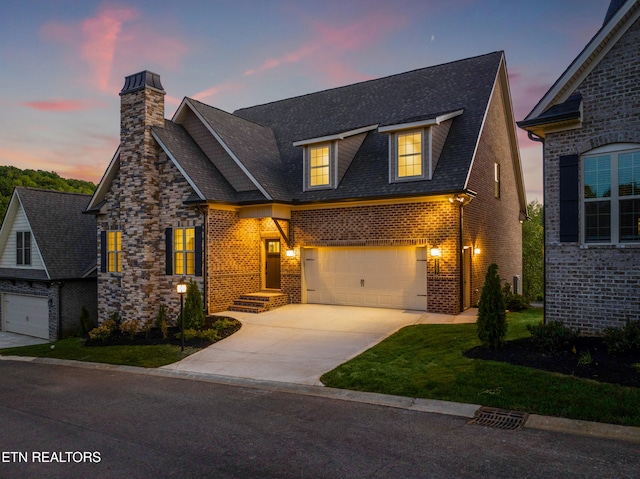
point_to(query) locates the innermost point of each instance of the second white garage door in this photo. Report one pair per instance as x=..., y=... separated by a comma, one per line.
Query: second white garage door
x=384, y=277
x=23, y=314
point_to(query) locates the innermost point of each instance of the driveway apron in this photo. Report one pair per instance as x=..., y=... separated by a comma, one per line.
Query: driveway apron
x=298, y=343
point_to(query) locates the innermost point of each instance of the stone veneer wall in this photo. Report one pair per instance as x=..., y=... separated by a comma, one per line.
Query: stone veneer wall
x=591, y=287
x=433, y=223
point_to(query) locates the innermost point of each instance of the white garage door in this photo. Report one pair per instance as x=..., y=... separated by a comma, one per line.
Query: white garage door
x=384, y=277
x=26, y=315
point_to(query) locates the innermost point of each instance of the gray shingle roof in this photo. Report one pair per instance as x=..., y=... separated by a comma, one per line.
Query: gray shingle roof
x=197, y=166
x=253, y=144
x=65, y=236
x=262, y=137
x=465, y=84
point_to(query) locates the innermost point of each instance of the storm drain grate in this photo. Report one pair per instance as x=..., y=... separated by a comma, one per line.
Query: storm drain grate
x=499, y=418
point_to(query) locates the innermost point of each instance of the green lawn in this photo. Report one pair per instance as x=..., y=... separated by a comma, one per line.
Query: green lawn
x=73, y=348
x=426, y=361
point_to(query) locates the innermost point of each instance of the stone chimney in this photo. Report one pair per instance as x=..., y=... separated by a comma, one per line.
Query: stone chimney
x=141, y=109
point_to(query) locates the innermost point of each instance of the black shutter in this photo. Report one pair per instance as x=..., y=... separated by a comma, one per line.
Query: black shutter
x=198, y=251
x=103, y=251
x=168, y=236
x=569, y=199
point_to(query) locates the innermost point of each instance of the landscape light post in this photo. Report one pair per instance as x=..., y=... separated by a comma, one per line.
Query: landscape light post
x=181, y=288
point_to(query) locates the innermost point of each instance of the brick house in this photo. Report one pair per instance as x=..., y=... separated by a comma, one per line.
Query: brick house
x=396, y=192
x=589, y=122
x=47, y=263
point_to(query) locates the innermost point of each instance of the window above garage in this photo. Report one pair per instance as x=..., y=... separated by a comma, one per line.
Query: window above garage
x=327, y=158
x=415, y=146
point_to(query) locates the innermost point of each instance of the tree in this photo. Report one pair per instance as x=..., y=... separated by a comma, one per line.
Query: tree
x=492, y=312
x=193, y=308
x=533, y=253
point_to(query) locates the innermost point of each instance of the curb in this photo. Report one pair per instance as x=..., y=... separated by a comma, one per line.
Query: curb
x=449, y=408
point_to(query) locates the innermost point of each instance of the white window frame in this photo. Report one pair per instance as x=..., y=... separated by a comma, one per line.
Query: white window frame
x=425, y=155
x=333, y=153
x=613, y=152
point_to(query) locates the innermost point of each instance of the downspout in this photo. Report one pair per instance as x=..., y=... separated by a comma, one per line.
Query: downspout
x=205, y=269
x=533, y=137
x=461, y=253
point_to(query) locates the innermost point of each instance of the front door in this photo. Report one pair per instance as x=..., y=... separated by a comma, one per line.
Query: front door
x=272, y=265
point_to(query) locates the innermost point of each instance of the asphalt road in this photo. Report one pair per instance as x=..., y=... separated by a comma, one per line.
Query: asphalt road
x=105, y=423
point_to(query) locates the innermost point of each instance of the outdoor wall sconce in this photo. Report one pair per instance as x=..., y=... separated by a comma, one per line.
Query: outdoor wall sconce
x=436, y=253
x=476, y=251
x=181, y=288
x=290, y=253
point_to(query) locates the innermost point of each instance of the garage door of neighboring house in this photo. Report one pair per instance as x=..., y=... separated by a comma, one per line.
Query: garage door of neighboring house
x=384, y=277
x=24, y=314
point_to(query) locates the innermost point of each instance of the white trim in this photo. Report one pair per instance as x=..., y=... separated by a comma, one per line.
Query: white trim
x=337, y=136
x=33, y=241
x=107, y=178
x=228, y=150
x=175, y=162
x=588, y=59
x=421, y=124
x=613, y=151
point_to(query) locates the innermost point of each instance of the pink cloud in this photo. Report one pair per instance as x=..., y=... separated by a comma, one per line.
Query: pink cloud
x=63, y=105
x=100, y=36
x=329, y=42
x=214, y=90
x=114, y=40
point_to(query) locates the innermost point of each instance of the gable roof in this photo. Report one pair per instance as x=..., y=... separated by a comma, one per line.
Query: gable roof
x=416, y=95
x=66, y=237
x=620, y=16
x=255, y=155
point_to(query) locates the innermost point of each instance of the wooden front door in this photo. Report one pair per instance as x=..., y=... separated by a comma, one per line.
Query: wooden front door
x=272, y=265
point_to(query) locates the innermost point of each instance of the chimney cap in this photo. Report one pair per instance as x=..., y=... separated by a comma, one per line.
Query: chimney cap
x=141, y=80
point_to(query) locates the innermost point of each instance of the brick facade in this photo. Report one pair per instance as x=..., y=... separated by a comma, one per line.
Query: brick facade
x=588, y=286
x=147, y=194
x=493, y=224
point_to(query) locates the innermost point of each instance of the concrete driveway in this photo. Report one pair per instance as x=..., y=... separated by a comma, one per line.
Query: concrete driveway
x=298, y=343
x=12, y=340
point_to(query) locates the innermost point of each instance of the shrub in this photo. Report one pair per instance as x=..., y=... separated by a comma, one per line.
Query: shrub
x=223, y=323
x=161, y=321
x=516, y=303
x=193, y=308
x=104, y=331
x=208, y=334
x=492, y=314
x=623, y=340
x=553, y=336
x=131, y=327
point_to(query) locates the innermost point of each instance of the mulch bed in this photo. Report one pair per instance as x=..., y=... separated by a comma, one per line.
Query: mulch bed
x=118, y=338
x=603, y=367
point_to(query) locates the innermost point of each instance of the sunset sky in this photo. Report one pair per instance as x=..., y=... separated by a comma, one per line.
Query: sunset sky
x=63, y=63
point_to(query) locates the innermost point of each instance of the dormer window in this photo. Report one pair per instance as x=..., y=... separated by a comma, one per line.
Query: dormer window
x=319, y=166
x=415, y=146
x=327, y=158
x=410, y=159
